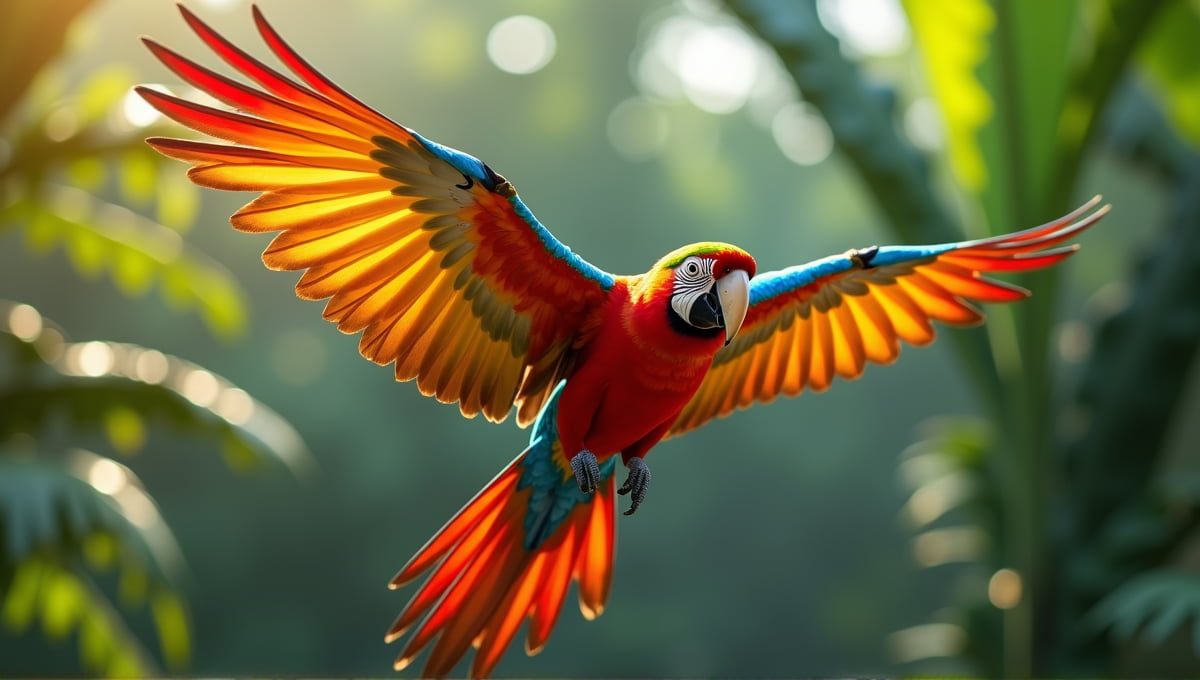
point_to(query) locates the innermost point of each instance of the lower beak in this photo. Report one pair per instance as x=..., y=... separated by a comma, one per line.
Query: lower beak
x=733, y=290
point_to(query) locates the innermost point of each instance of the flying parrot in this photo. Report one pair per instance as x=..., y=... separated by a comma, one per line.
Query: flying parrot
x=434, y=258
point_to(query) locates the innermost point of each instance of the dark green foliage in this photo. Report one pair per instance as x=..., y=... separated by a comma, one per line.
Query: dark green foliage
x=1083, y=521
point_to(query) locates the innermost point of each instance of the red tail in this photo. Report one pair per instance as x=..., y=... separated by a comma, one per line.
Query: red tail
x=488, y=582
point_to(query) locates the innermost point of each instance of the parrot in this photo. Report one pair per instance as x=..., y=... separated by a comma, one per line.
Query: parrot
x=432, y=256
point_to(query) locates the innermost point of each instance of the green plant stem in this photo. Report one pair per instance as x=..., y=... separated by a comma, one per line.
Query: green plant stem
x=864, y=129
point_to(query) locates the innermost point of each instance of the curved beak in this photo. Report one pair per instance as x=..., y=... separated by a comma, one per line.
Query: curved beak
x=733, y=290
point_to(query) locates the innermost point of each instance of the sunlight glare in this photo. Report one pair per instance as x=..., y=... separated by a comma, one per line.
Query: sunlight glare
x=94, y=358
x=717, y=66
x=139, y=113
x=106, y=476
x=871, y=28
x=151, y=366
x=802, y=134
x=521, y=44
x=234, y=405
x=199, y=387
x=25, y=322
x=926, y=641
x=1004, y=589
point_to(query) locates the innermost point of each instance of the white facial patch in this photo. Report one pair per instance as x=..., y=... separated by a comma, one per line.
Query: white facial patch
x=693, y=278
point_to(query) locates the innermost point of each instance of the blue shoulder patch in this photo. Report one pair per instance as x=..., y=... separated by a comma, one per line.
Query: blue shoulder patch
x=772, y=284
x=476, y=169
x=462, y=162
x=553, y=497
x=901, y=254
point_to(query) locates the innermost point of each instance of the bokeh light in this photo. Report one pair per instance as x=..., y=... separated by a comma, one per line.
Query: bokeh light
x=137, y=112
x=25, y=322
x=714, y=65
x=521, y=44
x=107, y=476
x=638, y=129
x=92, y=358
x=1004, y=589
x=199, y=387
x=870, y=28
x=802, y=134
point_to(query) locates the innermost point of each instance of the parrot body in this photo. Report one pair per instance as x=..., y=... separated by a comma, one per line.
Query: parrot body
x=435, y=260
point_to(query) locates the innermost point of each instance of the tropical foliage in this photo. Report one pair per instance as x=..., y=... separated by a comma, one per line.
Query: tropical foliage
x=84, y=551
x=1082, y=537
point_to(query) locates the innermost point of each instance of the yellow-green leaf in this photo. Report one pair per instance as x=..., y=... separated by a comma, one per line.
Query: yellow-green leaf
x=178, y=201
x=87, y=172
x=1171, y=57
x=62, y=602
x=132, y=586
x=100, y=550
x=171, y=620
x=102, y=91
x=21, y=602
x=125, y=428
x=954, y=40
x=139, y=175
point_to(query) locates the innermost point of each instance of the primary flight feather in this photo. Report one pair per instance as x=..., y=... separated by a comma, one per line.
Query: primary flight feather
x=432, y=256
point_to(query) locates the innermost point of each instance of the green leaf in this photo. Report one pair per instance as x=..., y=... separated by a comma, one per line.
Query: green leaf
x=102, y=91
x=87, y=172
x=99, y=236
x=178, y=201
x=125, y=428
x=33, y=496
x=171, y=621
x=20, y=603
x=953, y=41
x=138, y=172
x=1169, y=57
x=62, y=603
x=90, y=401
x=1158, y=601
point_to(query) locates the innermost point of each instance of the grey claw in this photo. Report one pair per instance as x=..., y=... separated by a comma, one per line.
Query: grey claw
x=587, y=471
x=636, y=483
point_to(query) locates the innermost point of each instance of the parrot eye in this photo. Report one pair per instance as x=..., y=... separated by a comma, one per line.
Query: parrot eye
x=691, y=268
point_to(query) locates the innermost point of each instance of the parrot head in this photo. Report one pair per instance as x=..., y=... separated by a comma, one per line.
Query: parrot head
x=709, y=288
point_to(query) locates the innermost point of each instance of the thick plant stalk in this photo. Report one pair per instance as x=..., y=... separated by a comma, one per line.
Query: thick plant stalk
x=860, y=116
x=1130, y=392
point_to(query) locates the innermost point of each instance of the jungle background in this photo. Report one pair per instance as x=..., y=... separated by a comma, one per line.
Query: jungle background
x=198, y=475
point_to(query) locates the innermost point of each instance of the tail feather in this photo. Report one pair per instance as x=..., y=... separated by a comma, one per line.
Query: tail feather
x=594, y=570
x=485, y=581
x=554, y=590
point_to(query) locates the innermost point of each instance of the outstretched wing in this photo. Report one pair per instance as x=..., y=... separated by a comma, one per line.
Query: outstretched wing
x=827, y=318
x=424, y=249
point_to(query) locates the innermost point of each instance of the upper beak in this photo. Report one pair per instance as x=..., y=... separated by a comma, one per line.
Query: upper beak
x=733, y=290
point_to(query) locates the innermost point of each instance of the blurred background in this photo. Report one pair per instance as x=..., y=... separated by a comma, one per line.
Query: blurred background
x=200, y=476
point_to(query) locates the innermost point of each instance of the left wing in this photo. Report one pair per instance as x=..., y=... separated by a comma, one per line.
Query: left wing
x=827, y=318
x=424, y=249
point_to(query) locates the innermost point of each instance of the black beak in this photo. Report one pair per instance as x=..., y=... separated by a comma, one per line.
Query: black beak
x=706, y=312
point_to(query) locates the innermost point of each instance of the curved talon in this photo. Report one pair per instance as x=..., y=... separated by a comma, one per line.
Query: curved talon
x=636, y=483
x=587, y=471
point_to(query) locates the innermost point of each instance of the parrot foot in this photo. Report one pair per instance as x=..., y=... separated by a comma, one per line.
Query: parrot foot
x=636, y=483
x=587, y=471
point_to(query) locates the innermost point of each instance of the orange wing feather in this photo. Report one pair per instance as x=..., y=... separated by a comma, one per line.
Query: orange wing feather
x=448, y=276
x=833, y=324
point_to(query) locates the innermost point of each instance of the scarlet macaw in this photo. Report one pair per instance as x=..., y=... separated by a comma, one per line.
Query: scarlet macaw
x=436, y=260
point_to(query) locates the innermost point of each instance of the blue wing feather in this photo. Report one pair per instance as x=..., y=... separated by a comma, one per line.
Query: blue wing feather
x=771, y=284
x=477, y=170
